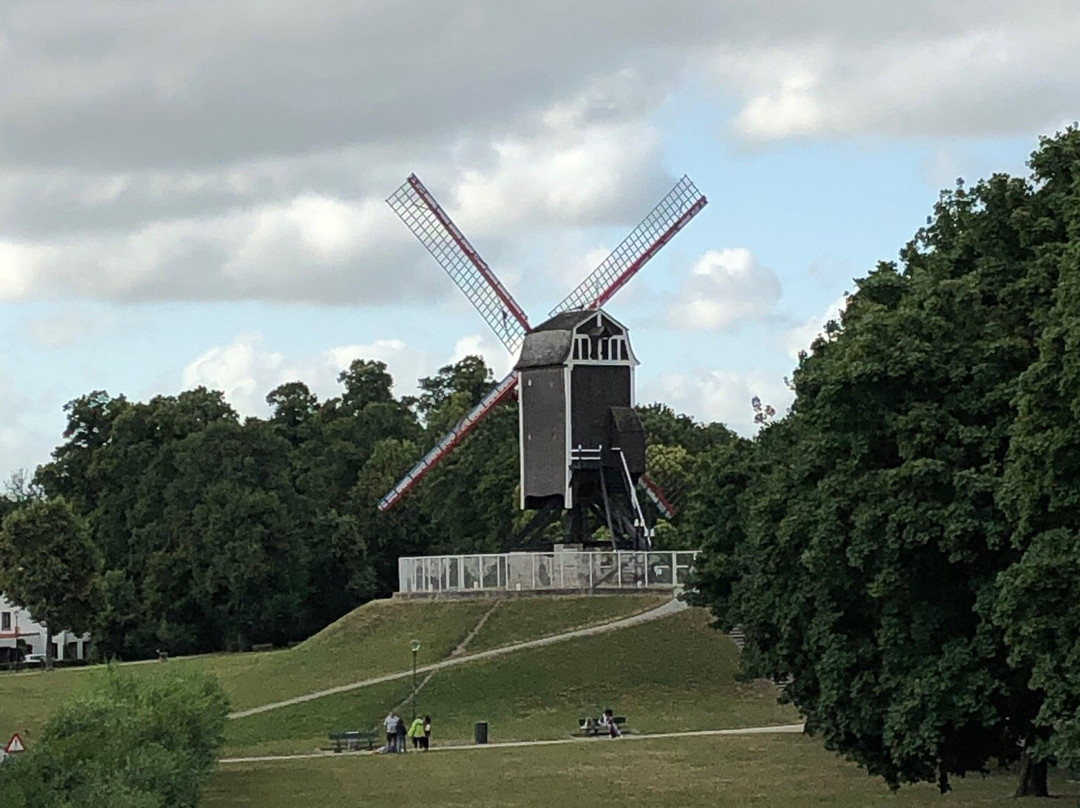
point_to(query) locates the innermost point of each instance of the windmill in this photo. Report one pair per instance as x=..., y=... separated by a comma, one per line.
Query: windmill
x=582, y=447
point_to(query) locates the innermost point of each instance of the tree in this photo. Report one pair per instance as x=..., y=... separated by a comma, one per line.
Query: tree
x=1039, y=604
x=677, y=458
x=452, y=392
x=469, y=499
x=20, y=487
x=294, y=406
x=72, y=473
x=49, y=566
x=870, y=535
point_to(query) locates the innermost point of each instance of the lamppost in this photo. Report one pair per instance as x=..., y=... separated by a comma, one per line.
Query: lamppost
x=415, y=645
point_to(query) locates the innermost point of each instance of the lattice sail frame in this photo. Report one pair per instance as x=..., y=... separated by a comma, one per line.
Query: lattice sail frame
x=433, y=228
x=671, y=214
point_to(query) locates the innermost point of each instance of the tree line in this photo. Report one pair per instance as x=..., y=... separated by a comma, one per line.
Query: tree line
x=174, y=524
x=903, y=548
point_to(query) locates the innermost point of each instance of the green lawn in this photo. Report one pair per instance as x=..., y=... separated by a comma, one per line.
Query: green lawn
x=516, y=620
x=368, y=642
x=671, y=674
x=762, y=771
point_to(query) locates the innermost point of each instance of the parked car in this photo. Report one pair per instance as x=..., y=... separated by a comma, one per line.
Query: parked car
x=34, y=659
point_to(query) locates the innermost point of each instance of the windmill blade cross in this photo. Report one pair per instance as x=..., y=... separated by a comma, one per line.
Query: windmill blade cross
x=671, y=214
x=415, y=205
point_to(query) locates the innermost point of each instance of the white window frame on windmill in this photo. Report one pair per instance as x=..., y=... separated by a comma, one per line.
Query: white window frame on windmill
x=617, y=344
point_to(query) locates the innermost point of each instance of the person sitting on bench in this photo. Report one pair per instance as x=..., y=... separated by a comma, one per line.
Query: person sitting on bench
x=607, y=722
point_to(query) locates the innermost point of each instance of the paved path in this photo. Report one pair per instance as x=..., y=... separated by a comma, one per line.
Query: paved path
x=668, y=608
x=783, y=728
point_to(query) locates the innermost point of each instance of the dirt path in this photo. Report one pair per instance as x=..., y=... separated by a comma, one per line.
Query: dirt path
x=781, y=729
x=668, y=608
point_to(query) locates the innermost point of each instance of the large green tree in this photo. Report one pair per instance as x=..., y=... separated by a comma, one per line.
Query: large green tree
x=1039, y=605
x=49, y=566
x=863, y=555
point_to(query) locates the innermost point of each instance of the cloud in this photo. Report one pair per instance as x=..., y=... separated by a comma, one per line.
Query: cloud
x=241, y=370
x=208, y=151
x=202, y=151
x=23, y=443
x=335, y=249
x=245, y=371
x=720, y=395
x=311, y=248
x=723, y=289
x=800, y=337
x=914, y=70
x=493, y=352
x=593, y=160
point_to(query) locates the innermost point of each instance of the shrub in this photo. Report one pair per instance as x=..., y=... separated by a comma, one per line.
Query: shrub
x=127, y=742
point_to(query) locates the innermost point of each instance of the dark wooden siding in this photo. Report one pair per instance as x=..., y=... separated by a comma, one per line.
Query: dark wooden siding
x=543, y=414
x=595, y=389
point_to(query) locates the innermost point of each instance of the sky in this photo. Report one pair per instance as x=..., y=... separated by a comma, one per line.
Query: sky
x=192, y=193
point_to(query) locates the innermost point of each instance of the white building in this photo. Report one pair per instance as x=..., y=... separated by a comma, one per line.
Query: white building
x=20, y=636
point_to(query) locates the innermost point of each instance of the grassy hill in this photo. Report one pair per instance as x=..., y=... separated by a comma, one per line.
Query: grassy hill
x=365, y=643
x=671, y=674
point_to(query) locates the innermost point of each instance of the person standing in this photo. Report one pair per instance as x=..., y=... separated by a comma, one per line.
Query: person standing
x=401, y=733
x=391, y=723
x=416, y=732
x=427, y=732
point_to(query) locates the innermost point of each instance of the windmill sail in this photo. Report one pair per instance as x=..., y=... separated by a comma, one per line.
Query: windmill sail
x=499, y=393
x=415, y=205
x=671, y=214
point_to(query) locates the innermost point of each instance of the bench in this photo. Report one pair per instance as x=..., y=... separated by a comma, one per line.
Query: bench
x=593, y=729
x=352, y=739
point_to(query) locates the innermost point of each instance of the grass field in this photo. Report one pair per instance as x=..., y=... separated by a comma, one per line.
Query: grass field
x=519, y=619
x=763, y=771
x=671, y=674
x=368, y=642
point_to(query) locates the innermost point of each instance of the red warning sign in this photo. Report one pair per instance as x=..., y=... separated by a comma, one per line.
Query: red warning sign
x=15, y=745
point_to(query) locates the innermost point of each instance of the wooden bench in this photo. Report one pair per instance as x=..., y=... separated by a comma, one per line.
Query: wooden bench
x=595, y=729
x=353, y=738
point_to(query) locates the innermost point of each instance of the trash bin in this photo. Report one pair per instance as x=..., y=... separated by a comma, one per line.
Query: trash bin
x=481, y=731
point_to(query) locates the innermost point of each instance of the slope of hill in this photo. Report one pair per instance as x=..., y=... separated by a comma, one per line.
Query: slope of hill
x=371, y=640
x=670, y=674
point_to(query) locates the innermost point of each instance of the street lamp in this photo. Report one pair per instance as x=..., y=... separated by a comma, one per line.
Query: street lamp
x=415, y=645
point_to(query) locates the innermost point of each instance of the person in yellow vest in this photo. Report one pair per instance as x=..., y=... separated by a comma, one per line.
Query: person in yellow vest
x=416, y=732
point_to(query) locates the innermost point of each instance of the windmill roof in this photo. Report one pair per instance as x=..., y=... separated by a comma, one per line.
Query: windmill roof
x=550, y=342
x=565, y=320
x=543, y=348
